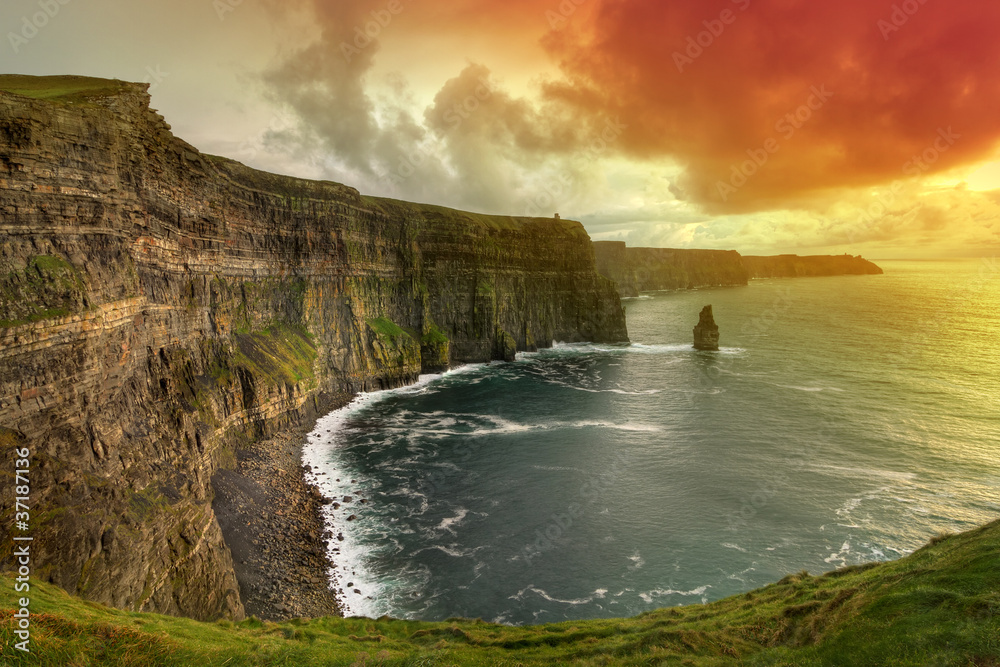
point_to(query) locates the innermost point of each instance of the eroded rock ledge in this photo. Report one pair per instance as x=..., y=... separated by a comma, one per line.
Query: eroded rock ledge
x=162, y=308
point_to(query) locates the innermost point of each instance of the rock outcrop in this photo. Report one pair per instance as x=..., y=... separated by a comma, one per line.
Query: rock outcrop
x=706, y=332
x=162, y=307
x=636, y=270
x=793, y=266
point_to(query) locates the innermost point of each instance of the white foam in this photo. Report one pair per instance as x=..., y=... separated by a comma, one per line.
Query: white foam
x=446, y=524
x=664, y=592
x=348, y=554
x=599, y=593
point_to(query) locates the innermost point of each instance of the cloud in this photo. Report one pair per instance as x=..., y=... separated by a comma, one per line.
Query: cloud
x=476, y=145
x=752, y=119
x=834, y=94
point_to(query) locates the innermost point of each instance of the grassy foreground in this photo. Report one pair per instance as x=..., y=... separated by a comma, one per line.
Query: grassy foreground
x=938, y=606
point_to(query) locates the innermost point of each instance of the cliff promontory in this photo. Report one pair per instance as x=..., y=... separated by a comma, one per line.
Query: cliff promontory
x=636, y=270
x=162, y=308
x=794, y=266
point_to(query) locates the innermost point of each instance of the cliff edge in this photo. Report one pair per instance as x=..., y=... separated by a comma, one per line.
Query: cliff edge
x=162, y=308
x=636, y=270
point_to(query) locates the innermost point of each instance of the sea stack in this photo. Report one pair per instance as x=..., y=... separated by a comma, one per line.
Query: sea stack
x=706, y=334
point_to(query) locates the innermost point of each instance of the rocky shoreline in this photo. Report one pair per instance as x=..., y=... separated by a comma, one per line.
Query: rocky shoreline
x=273, y=524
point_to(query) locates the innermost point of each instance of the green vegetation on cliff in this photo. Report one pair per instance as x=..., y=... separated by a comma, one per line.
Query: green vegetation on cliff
x=386, y=328
x=279, y=355
x=938, y=606
x=63, y=89
x=47, y=287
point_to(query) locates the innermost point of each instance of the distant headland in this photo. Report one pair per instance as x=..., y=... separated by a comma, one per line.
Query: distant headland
x=637, y=270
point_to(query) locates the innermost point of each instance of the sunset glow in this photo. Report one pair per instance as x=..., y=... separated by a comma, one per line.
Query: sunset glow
x=762, y=125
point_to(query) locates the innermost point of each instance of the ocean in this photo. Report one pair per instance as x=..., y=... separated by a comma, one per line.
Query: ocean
x=845, y=420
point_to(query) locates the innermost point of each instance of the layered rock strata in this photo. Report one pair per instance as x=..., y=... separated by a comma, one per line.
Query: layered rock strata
x=162, y=308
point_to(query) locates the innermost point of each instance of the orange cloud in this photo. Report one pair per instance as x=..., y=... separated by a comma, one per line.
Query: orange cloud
x=765, y=101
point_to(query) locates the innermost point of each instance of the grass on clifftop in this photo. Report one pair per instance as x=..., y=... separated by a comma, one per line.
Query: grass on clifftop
x=939, y=606
x=67, y=89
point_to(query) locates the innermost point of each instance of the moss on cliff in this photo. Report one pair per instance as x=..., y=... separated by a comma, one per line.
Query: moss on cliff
x=386, y=328
x=393, y=346
x=435, y=350
x=47, y=287
x=278, y=355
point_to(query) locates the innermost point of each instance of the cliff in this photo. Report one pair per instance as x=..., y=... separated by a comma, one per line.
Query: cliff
x=162, y=308
x=793, y=266
x=636, y=270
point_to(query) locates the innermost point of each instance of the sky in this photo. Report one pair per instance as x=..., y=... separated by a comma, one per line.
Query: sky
x=767, y=126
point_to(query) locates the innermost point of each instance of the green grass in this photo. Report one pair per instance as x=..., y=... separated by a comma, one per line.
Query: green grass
x=442, y=215
x=46, y=288
x=62, y=89
x=279, y=355
x=385, y=327
x=938, y=606
x=434, y=336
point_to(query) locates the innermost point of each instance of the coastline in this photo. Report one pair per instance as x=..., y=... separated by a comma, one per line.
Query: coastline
x=273, y=523
x=283, y=558
x=353, y=590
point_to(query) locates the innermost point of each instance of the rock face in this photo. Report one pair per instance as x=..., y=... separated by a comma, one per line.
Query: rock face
x=706, y=333
x=160, y=307
x=793, y=266
x=636, y=270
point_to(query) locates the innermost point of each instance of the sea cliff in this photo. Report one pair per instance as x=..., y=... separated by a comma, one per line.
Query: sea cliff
x=636, y=270
x=163, y=310
x=793, y=266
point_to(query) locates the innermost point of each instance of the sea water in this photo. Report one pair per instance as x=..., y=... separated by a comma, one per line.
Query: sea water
x=845, y=420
